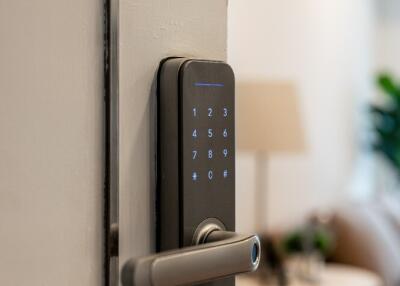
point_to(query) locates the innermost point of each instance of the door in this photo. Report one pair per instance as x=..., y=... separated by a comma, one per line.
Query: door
x=51, y=142
x=149, y=32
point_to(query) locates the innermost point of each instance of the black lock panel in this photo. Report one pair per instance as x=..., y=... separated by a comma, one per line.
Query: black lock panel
x=207, y=145
x=196, y=150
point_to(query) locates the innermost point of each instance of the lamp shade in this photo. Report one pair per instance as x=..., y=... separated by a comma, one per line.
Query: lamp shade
x=268, y=117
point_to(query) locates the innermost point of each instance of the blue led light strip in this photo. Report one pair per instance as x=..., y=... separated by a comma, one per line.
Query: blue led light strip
x=208, y=84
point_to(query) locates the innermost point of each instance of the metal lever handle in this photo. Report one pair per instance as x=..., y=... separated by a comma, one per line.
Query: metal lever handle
x=219, y=254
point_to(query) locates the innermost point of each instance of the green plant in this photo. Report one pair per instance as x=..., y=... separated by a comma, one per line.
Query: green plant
x=386, y=121
x=309, y=239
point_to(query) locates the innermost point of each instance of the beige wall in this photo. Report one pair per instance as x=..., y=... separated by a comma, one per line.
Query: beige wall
x=387, y=59
x=149, y=31
x=51, y=142
x=387, y=42
x=323, y=47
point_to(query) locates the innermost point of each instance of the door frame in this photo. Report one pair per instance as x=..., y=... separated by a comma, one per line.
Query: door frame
x=111, y=179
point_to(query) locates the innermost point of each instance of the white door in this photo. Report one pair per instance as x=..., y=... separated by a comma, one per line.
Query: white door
x=150, y=31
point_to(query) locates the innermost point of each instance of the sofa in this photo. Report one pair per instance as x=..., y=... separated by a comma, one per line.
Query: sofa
x=368, y=236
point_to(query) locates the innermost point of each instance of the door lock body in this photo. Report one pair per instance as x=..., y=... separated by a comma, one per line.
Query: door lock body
x=196, y=149
x=196, y=239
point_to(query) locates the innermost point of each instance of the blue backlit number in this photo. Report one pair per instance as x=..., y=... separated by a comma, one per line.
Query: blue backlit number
x=225, y=133
x=210, y=154
x=194, y=152
x=210, y=133
x=225, y=152
x=210, y=175
x=225, y=174
x=210, y=112
x=225, y=112
x=194, y=134
x=194, y=111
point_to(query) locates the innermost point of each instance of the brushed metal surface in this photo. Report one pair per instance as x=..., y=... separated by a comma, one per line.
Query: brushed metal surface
x=222, y=255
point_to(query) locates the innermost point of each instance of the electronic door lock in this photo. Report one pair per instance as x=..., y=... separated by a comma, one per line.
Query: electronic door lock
x=196, y=239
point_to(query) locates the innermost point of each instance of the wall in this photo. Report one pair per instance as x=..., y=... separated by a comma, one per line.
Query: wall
x=387, y=42
x=51, y=146
x=324, y=48
x=386, y=59
x=149, y=32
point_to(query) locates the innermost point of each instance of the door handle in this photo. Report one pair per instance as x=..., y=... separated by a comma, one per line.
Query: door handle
x=216, y=254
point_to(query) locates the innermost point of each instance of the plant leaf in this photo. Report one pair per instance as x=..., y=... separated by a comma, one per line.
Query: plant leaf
x=386, y=83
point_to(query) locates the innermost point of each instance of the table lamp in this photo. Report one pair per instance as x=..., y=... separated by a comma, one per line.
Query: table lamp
x=267, y=122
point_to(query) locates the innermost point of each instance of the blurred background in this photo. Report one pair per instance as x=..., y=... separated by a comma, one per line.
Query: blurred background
x=318, y=136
